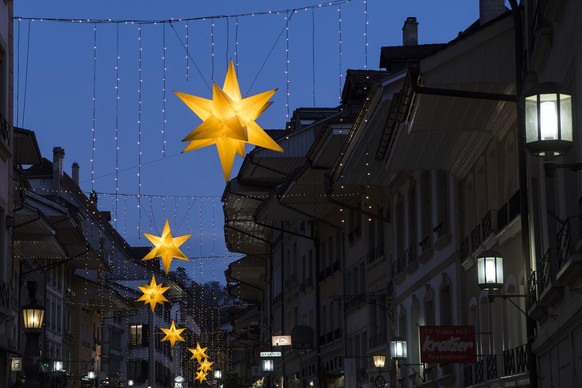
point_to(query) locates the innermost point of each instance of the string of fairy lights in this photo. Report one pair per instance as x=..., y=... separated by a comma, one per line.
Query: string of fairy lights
x=128, y=207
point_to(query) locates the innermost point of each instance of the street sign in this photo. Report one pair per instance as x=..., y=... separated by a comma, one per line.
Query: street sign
x=270, y=354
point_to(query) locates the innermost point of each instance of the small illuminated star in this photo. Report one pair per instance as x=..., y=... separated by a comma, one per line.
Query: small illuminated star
x=205, y=366
x=200, y=376
x=199, y=353
x=228, y=120
x=153, y=293
x=166, y=247
x=172, y=334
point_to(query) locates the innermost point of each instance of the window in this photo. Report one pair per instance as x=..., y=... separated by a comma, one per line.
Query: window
x=138, y=335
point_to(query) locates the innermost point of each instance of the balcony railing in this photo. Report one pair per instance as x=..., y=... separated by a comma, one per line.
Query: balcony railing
x=545, y=270
x=515, y=361
x=465, y=251
x=425, y=244
x=508, y=211
x=5, y=129
x=398, y=265
x=486, y=369
x=410, y=256
x=476, y=238
x=566, y=238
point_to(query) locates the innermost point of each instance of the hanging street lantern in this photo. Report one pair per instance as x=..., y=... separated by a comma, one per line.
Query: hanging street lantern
x=398, y=348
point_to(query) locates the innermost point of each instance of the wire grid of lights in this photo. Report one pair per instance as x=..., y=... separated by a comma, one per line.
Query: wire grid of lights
x=187, y=44
x=185, y=212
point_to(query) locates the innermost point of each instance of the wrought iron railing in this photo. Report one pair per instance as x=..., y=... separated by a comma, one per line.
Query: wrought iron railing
x=545, y=270
x=465, y=251
x=532, y=288
x=568, y=234
x=5, y=130
x=409, y=255
x=425, y=244
x=487, y=227
x=441, y=229
x=398, y=265
x=476, y=237
x=515, y=360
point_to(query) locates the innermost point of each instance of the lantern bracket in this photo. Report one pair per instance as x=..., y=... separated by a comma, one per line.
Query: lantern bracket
x=550, y=166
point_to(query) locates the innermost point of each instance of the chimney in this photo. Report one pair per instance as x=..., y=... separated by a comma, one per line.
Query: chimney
x=58, y=156
x=410, y=32
x=75, y=172
x=490, y=9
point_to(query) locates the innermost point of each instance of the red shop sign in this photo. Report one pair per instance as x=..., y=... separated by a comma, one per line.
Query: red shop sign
x=448, y=344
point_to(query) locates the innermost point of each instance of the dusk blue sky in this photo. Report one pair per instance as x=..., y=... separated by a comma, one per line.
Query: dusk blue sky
x=55, y=80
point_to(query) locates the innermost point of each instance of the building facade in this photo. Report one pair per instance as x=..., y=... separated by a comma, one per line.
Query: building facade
x=393, y=202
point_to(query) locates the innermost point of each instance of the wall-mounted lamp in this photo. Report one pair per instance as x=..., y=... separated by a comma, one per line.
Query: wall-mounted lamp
x=398, y=348
x=548, y=124
x=379, y=361
x=267, y=365
x=490, y=278
x=490, y=271
x=548, y=119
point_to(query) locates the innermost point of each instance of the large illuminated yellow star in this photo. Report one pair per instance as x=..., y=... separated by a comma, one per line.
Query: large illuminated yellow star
x=153, y=293
x=205, y=366
x=199, y=353
x=228, y=120
x=200, y=376
x=166, y=247
x=172, y=334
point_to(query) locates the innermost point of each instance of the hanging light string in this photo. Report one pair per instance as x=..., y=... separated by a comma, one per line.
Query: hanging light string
x=187, y=26
x=116, y=125
x=236, y=44
x=340, y=49
x=190, y=57
x=164, y=91
x=313, y=54
x=227, y=43
x=287, y=20
x=139, y=129
x=212, y=50
x=94, y=106
x=366, y=34
x=173, y=20
x=18, y=33
x=287, y=69
x=26, y=73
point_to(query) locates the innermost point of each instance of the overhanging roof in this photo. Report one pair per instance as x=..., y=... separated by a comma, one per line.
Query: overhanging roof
x=445, y=132
x=99, y=295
